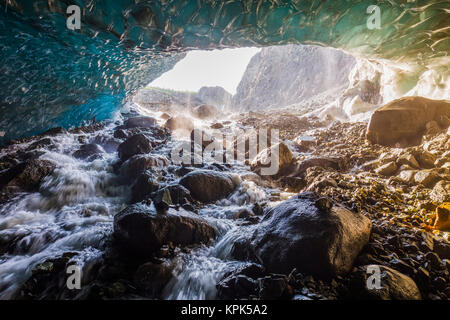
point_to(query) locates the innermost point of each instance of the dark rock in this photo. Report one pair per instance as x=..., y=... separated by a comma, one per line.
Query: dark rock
x=202, y=138
x=153, y=277
x=263, y=161
x=139, y=230
x=178, y=194
x=304, y=233
x=143, y=187
x=275, y=287
x=207, y=185
x=243, y=214
x=88, y=151
x=139, y=122
x=27, y=175
x=137, y=144
x=137, y=164
x=394, y=285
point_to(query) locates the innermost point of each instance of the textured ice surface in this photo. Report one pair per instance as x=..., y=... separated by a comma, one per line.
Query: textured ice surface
x=51, y=75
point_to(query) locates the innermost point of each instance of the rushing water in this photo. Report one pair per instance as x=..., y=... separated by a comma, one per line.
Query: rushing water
x=74, y=209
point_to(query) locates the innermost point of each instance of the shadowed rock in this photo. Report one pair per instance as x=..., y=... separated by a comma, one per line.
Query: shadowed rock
x=137, y=144
x=207, y=185
x=140, y=230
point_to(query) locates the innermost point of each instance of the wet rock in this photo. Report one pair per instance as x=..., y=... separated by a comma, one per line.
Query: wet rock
x=143, y=187
x=272, y=161
x=137, y=164
x=139, y=122
x=393, y=285
x=432, y=128
x=205, y=111
x=153, y=277
x=88, y=151
x=42, y=143
x=179, y=122
x=306, y=234
x=27, y=175
x=388, y=169
x=139, y=230
x=441, y=192
x=109, y=144
x=207, y=185
x=237, y=287
x=275, y=287
x=402, y=121
x=243, y=214
x=178, y=194
x=203, y=138
x=137, y=144
x=426, y=178
x=407, y=176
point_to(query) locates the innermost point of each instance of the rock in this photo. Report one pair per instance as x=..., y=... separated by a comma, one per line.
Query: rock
x=137, y=144
x=203, y=139
x=426, y=178
x=139, y=122
x=408, y=159
x=388, y=169
x=141, y=231
x=402, y=122
x=243, y=214
x=143, y=187
x=165, y=116
x=237, y=287
x=139, y=163
x=325, y=162
x=27, y=175
x=216, y=125
x=280, y=153
x=179, y=122
x=215, y=96
x=432, y=128
x=275, y=287
x=443, y=217
x=441, y=192
x=153, y=277
x=207, y=185
x=178, y=194
x=205, y=111
x=407, y=176
x=426, y=160
x=394, y=285
x=88, y=151
x=310, y=234
x=305, y=143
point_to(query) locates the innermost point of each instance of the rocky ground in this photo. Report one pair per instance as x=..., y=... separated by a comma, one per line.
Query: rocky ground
x=338, y=207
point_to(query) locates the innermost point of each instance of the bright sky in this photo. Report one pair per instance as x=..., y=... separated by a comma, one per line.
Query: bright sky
x=207, y=68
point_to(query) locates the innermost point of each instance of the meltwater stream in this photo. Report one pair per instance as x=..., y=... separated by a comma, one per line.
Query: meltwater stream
x=74, y=209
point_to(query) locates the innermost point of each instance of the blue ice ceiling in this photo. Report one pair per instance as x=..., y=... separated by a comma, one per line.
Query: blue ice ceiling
x=53, y=76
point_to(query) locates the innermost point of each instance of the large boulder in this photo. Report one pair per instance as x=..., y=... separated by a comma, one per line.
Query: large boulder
x=137, y=144
x=310, y=234
x=141, y=231
x=208, y=185
x=403, y=121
